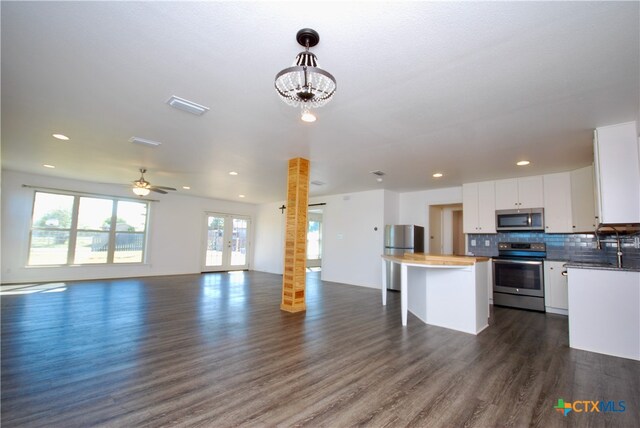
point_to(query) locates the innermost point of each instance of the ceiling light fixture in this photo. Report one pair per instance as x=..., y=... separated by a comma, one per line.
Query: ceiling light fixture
x=305, y=84
x=60, y=137
x=523, y=163
x=437, y=175
x=241, y=196
x=186, y=187
x=46, y=165
x=233, y=173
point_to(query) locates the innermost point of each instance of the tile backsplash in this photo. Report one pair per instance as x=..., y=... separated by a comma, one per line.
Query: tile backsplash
x=562, y=247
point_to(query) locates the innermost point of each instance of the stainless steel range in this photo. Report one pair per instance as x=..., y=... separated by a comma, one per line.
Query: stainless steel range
x=518, y=275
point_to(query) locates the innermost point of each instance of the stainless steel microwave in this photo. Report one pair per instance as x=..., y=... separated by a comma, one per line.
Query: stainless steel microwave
x=523, y=219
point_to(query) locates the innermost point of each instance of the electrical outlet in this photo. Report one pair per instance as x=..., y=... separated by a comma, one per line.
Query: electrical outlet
x=487, y=243
x=473, y=242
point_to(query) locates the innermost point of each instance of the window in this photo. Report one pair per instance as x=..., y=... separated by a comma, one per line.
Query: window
x=72, y=229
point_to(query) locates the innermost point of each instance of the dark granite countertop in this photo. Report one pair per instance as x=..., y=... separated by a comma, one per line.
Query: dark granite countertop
x=600, y=266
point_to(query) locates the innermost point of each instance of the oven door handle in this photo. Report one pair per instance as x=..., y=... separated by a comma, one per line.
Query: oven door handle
x=527, y=262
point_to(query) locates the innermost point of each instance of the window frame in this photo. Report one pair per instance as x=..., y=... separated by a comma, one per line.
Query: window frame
x=73, y=229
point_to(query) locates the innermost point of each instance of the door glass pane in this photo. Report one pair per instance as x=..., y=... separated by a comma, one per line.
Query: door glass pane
x=129, y=247
x=91, y=247
x=215, y=241
x=313, y=241
x=239, y=242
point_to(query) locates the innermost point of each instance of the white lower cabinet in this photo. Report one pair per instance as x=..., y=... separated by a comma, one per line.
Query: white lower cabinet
x=556, y=299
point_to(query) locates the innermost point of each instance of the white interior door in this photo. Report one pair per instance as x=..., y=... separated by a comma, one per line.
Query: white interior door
x=227, y=242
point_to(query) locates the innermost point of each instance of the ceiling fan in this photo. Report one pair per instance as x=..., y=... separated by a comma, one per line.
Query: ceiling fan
x=142, y=187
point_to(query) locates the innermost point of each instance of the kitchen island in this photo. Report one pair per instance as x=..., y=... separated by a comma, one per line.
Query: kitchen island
x=446, y=291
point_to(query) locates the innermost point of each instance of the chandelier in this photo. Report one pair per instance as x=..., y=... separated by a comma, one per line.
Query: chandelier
x=304, y=84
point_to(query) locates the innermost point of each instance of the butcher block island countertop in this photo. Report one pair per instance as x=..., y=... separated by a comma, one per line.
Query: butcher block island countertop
x=443, y=290
x=436, y=259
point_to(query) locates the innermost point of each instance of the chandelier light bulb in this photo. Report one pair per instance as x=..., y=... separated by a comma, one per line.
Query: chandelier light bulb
x=307, y=116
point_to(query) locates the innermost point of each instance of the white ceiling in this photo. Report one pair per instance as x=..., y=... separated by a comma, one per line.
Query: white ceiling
x=466, y=89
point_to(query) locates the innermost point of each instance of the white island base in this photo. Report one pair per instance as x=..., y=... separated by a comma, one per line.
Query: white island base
x=604, y=312
x=450, y=296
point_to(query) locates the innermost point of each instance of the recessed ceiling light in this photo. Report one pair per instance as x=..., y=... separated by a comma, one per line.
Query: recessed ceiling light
x=523, y=163
x=60, y=137
x=186, y=187
x=233, y=173
x=241, y=196
x=379, y=179
x=437, y=175
x=46, y=165
x=144, y=142
x=188, y=106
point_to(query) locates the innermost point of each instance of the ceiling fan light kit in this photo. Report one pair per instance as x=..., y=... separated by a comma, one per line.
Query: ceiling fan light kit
x=142, y=187
x=141, y=191
x=305, y=84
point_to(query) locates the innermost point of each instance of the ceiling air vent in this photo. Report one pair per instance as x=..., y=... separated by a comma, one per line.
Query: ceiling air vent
x=318, y=183
x=377, y=172
x=144, y=142
x=188, y=106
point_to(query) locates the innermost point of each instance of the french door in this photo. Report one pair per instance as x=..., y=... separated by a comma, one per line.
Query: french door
x=227, y=242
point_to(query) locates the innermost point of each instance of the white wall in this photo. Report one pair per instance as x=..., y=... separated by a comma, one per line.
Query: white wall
x=176, y=231
x=351, y=248
x=414, y=206
x=269, y=242
x=391, y=207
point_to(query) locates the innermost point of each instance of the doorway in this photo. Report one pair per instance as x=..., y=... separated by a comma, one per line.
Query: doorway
x=314, y=239
x=445, y=229
x=226, y=242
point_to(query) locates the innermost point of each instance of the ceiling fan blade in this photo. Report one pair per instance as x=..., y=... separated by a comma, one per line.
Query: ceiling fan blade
x=155, y=189
x=163, y=187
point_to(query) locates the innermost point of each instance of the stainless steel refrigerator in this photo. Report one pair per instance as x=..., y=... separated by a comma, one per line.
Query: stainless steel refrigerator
x=400, y=239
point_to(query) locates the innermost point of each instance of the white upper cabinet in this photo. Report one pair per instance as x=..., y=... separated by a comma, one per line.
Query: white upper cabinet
x=557, y=203
x=617, y=171
x=516, y=193
x=583, y=206
x=478, y=207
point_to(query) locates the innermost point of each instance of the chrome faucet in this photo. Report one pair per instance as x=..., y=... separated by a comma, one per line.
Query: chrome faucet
x=618, y=249
x=598, y=243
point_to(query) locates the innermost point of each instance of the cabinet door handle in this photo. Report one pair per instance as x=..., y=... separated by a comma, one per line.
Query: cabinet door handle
x=564, y=273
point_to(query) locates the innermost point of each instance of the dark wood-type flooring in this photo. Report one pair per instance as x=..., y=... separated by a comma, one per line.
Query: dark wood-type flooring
x=214, y=350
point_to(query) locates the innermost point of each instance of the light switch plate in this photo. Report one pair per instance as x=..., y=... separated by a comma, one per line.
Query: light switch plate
x=487, y=243
x=473, y=242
